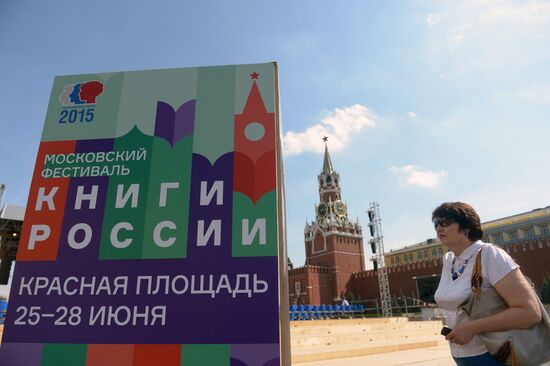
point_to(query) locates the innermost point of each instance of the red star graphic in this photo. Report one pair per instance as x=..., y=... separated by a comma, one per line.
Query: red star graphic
x=254, y=75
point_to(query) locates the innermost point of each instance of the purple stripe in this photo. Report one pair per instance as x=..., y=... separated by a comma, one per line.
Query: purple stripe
x=92, y=217
x=255, y=354
x=203, y=171
x=20, y=354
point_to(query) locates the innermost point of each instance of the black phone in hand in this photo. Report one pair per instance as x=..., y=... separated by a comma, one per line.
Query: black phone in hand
x=445, y=331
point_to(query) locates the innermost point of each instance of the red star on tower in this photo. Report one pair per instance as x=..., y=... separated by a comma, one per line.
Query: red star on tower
x=254, y=75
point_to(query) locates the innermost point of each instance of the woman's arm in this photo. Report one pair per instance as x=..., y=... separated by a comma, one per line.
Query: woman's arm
x=523, y=311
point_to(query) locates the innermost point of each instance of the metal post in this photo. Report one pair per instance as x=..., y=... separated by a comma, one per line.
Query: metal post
x=2, y=190
x=383, y=282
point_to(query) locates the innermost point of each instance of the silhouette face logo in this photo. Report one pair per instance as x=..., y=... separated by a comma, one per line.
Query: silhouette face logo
x=81, y=93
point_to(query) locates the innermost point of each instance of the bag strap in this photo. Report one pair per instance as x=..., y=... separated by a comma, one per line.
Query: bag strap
x=477, y=276
x=506, y=351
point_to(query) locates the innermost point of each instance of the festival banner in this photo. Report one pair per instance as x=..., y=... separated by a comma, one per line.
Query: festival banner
x=154, y=228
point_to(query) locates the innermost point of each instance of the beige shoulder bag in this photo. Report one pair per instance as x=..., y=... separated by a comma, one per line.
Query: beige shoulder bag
x=517, y=347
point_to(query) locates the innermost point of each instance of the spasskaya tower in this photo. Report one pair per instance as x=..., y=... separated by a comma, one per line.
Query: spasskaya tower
x=332, y=240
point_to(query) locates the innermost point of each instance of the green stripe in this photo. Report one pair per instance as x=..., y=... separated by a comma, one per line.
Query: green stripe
x=244, y=208
x=64, y=355
x=139, y=174
x=215, y=112
x=169, y=165
x=205, y=354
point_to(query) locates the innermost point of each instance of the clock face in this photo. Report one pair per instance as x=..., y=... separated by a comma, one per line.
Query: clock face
x=322, y=209
x=340, y=208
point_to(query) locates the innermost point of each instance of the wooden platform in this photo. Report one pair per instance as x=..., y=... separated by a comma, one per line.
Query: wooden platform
x=318, y=340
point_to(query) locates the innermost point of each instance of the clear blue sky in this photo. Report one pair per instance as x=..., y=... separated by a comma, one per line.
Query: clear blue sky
x=424, y=101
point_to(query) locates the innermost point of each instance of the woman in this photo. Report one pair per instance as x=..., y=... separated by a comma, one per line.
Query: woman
x=458, y=228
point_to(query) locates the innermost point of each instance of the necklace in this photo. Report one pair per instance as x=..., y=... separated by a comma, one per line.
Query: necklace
x=456, y=274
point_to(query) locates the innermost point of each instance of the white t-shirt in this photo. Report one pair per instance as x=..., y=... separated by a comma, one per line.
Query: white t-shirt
x=495, y=263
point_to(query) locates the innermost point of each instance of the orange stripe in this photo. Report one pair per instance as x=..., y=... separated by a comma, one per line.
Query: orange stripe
x=45, y=249
x=157, y=354
x=110, y=355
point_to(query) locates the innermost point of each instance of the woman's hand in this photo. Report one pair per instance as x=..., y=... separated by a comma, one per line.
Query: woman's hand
x=462, y=333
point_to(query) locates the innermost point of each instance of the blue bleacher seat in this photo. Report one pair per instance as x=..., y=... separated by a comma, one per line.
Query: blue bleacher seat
x=322, y=311
x=346, y=311
x=302, y=314
x=331, y=312
x=3, y=308
x=337, y=310
x=358, y=310
x=293, y=310
x=315, y=313
x=308, y=311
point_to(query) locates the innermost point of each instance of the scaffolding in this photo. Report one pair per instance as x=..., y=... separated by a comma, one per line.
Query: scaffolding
x=377, y=244
x=10, y=231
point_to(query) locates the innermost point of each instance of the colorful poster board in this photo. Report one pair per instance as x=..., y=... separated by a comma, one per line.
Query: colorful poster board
x=153, y=229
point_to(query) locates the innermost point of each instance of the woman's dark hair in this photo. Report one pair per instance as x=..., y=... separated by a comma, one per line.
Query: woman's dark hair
x=463, y=214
